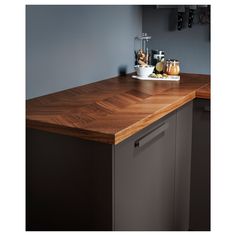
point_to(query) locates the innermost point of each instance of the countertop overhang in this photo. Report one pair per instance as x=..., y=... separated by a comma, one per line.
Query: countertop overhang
x=111, y=110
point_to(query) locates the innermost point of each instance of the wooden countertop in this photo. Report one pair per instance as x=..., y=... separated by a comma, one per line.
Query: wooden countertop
x=112, y=110
x=204, y=92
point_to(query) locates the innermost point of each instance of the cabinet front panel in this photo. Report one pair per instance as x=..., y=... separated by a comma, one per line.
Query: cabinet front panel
x=144, y=179
x=200, y=172
x=68, y=183
x=183, y=166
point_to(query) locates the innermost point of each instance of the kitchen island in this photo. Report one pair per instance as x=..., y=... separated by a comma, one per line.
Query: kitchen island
x=112, y=155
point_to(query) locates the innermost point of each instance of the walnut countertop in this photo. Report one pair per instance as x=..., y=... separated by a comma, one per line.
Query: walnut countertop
x=204, y=92
x=112, y=110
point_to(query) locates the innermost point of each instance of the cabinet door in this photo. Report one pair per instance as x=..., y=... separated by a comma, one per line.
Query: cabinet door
x=144, y=179
x=200, y=172
x=183, y=166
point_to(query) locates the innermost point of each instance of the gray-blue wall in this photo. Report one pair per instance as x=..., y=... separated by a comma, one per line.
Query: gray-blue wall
x=67, y=46
x=190, y=45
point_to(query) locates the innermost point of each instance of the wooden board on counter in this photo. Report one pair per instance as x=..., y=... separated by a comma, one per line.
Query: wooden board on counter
x=112, y=110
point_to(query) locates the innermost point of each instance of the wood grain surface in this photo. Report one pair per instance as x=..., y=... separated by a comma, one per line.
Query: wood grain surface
x=112, y=110
x=204, y=92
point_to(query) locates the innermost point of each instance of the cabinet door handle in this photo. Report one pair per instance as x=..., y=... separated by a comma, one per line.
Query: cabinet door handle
x=151, y=135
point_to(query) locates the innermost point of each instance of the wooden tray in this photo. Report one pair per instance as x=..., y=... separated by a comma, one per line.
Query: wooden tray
x=169, y=78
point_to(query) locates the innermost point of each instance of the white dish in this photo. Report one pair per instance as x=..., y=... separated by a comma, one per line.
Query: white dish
x=169, y=78
x=144, y=71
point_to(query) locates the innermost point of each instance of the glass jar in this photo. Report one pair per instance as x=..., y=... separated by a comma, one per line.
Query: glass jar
x=172, y=67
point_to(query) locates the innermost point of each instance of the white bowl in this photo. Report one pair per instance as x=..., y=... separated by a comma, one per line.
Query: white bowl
x=144, y=71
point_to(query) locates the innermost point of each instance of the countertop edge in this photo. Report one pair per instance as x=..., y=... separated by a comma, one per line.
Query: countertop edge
x=204, y=92
x=74, y=132
x=141, y=124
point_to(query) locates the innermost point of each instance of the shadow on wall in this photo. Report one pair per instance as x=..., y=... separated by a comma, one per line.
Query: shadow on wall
x=172, y=20
x=122, y=70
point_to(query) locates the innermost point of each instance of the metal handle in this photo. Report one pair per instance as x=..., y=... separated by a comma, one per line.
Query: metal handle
x=151, y=135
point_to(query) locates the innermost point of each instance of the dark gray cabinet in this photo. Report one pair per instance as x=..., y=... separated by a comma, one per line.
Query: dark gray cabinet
x=152, y=176
x=200, y=173
x=68, y=183
x=144, y=179
x=183, y=166
x=143, y=183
